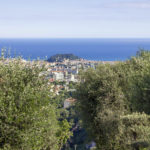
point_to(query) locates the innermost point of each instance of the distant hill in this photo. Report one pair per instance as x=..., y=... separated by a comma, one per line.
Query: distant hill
x=62, y=57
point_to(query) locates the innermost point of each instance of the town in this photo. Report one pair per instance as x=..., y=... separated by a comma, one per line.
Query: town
x=68, y=69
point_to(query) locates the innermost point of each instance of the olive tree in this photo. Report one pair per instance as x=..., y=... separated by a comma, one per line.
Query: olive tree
x=28, y=116
x=106, y=101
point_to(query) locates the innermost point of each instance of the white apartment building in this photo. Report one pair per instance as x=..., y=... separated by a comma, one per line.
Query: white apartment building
x=58, y=76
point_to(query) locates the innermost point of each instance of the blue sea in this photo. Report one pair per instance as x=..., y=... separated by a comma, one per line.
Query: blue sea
x=91, y=49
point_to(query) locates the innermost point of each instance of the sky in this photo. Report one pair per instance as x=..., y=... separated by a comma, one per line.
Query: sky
x=74, y=18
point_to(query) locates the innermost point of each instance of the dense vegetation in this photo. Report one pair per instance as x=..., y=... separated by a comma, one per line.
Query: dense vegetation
x=79, y=137
x=114, y=103
x=62, y=57
x=29, y=115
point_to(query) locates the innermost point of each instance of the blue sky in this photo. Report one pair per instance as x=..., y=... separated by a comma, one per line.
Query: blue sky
x=75, y=19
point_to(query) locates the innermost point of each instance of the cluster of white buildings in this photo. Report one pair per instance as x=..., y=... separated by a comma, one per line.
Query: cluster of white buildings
x=63, y=76
x=62, y=71
x=68, y=70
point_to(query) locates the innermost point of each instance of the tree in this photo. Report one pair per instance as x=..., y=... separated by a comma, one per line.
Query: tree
x=109, y=108
x=28, y=116
x=140, y=82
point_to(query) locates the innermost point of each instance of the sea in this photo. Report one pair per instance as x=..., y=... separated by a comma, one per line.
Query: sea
x=91, y=49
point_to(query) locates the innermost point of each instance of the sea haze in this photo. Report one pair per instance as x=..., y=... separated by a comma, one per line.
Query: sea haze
x=91, y=49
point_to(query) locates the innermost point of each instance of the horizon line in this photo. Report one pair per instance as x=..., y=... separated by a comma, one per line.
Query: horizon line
x=74, y=37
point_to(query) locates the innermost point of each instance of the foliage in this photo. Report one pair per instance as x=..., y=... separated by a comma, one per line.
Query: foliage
x=112, y=99
x=28, y=116
x=63, y=133
x=140, y=82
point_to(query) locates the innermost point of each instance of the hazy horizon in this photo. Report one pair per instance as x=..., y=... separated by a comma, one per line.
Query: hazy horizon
x=75, y=38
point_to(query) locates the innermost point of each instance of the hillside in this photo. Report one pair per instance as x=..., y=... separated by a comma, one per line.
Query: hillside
x=62, y=57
